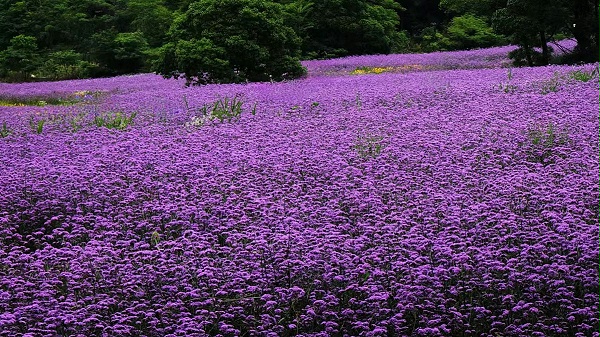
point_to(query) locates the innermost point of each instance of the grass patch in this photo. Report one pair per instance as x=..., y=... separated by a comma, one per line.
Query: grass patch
x=117, y=120
x=50, y=99
x=584, y=76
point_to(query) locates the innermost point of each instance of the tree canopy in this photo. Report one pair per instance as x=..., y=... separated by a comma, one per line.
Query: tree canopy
x=231, y=41
x=245, y=40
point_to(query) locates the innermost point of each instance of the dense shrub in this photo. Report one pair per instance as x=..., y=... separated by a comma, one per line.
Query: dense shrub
x=231, y=41
x=468, y=31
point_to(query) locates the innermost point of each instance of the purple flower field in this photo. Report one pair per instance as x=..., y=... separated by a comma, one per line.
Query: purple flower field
x=428, y=203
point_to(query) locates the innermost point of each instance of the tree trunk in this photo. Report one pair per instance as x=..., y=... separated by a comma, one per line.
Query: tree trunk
x=585, y=29
x=528, y=57
x=596, y=33
x=545, y=51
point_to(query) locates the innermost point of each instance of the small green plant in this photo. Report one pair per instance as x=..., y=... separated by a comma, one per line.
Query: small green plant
x=76, y=122
x=507, y=86
x=155, y=238
x=584, y=76
x=369, y=146
x=115, y=120
x=358, y=100
x=253, y=112
x=294, y=109
x=543, y=142
x=547, y=136
x=225, y=109
x=552, y=84
x=37, y=125
x=5, y=131
x=314, y=106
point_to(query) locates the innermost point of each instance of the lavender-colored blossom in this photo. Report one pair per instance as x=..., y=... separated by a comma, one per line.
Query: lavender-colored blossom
x=424, y=203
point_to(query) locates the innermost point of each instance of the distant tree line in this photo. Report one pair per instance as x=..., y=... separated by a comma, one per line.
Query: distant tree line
x=231, y=41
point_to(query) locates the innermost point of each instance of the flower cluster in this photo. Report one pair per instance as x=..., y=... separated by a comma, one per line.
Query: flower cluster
x=474, y=59
x=401, y=204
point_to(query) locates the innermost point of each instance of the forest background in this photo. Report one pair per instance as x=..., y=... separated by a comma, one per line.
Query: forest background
x=218, y=41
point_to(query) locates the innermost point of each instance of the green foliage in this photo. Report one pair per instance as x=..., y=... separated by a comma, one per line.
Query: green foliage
x=482, y=8
x=369, y=146
x=401, y=43
x=152, y=19
x=114, y=120
x=547, y=136
x=507, y=86
x=241, y=40
x=21, y=57
x=552, y=84
x=584, y=76
x=531, y=23
x=129, y=51
x=199, y=61
x=224, y=109
x=352, y=27
x=111, y=37
x=227, y=109
x=64, y=65
x=119, y=53
x=468, y=31
x=222, y=41
x=5, y=131
x=37, y=124
x=154, y=238
x=544, y=142
x=431, y=40
x=50, y=99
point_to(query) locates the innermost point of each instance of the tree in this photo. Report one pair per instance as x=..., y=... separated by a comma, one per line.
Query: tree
x=583, y=24
x=151, y=18
x=482, y=8
x=119, y=53
x=231, y=41
x=21, y=56
x=352, y=27
x=420, y=15
x=468, y=31
x=530, y=23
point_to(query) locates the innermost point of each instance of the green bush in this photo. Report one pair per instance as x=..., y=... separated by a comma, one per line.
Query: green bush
x=468, y=31
x=584, y=76
x=240, y=40
x=119, y=53
x=430, y=40
x=64, y=65
x=20, y=59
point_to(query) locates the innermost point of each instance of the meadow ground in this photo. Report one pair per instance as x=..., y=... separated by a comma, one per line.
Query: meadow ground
x=419, y=195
